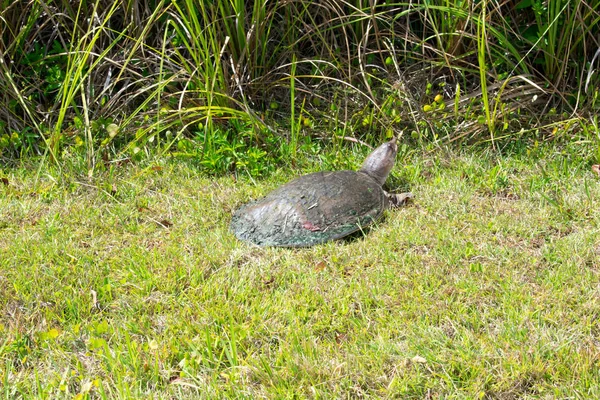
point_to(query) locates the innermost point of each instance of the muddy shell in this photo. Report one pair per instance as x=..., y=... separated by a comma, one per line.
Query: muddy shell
x=311, y=209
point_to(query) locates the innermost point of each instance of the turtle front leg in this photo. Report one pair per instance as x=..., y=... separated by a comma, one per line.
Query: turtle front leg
x=398, y=199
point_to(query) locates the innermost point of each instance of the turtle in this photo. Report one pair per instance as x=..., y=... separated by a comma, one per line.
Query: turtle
x=321, y=206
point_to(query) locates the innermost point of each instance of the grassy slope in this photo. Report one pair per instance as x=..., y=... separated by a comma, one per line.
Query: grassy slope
x=486, y=285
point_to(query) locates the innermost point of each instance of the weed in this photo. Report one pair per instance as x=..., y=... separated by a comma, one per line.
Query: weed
x=158, y=70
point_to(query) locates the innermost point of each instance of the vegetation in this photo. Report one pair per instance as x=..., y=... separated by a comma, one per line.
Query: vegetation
x=225, y=81
x=130, y=285
x=119, y=278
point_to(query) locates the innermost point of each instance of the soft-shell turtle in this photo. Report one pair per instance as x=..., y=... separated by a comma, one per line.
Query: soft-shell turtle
x=322, y=206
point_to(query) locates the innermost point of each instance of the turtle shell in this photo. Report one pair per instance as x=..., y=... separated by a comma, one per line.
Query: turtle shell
x=311, y=209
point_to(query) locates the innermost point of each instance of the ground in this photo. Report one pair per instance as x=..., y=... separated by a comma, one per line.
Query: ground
x=129, y=285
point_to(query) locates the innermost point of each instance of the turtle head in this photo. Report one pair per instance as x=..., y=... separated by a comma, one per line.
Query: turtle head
x=381, y=161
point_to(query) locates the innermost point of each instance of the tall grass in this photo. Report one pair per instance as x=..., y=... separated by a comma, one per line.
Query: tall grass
x=112, y=79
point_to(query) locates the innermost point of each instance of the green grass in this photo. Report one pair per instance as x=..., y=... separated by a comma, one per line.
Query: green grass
x=116, y=80
x=129, y=285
